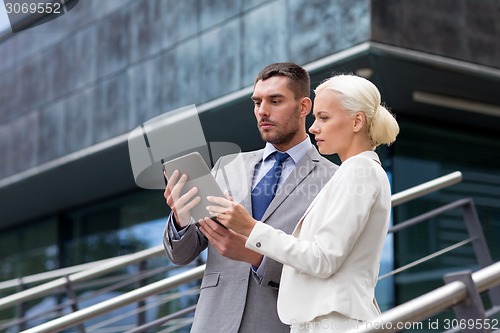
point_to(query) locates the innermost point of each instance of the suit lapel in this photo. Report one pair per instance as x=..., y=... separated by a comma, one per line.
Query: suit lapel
x=253, y=159
x=235, y=176
x=299, y=173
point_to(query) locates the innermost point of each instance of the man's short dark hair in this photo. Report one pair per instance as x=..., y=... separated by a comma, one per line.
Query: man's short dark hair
x=299, y=80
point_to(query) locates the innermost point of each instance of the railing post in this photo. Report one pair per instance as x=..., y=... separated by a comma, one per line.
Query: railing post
x=470, y=313
x=479, y=244
x=21, y=307
x=141, y=304
x=74, y=301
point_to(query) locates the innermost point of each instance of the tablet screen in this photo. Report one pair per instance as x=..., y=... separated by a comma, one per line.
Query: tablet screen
x=199, y=175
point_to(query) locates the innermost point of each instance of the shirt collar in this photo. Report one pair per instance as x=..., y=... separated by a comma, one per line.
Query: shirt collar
x=296, y=152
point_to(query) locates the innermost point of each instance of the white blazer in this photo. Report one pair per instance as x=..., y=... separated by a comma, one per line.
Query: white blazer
x=332, y=258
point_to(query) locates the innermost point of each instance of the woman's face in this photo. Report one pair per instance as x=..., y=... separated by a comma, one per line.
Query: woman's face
x=333, y=126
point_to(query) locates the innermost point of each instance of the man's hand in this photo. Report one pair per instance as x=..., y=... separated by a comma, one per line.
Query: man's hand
x=228, y=243
x=180, y=205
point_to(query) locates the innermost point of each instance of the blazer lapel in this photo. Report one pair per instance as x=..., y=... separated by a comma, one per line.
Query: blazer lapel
x=299, y=173
x=235, y=176
x=254, y=158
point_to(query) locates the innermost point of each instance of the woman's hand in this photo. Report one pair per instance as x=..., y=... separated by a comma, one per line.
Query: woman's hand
x=231, y=214
x=228, y=243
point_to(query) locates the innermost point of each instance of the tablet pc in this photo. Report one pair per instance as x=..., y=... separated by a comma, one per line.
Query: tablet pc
x=199, y=175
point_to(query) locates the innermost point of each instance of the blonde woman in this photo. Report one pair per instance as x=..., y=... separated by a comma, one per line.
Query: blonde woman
x=331, y=261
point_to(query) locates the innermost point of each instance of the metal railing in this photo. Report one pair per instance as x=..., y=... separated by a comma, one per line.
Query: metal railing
x=51, y=275
x=476, y=236
x=80, y=316
x=452, y=294
x=51, y=300
x=426, y=188
x=461, y=291
x=85, y=275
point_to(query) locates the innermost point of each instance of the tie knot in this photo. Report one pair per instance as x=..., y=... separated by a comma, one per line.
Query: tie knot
x=280, y=157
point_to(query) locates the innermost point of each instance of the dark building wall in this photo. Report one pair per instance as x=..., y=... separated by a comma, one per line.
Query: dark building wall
x=467, y=30
x=108, y=65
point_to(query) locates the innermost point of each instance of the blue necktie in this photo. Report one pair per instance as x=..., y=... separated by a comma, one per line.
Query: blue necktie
x=264, y=191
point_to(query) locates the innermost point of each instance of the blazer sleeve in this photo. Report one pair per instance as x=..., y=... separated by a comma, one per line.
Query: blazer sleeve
x=333, y=224
x=272, y=273
x=184, y=250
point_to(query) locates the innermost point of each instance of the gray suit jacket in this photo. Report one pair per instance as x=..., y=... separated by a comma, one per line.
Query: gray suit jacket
x=231, y=300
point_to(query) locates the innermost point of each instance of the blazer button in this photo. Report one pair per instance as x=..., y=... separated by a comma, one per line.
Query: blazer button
x=258, y=244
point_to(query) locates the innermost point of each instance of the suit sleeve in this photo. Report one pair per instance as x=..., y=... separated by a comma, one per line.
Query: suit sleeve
x=340, y=215
x=185, y=249
x=272, y=274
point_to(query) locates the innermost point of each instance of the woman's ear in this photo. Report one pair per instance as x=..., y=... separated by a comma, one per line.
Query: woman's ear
x=359, y=121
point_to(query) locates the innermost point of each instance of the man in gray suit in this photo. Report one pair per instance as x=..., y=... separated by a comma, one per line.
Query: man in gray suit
x=239, y=288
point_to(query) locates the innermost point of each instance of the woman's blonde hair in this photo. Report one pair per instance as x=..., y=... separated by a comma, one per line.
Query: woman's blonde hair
x=357, y=94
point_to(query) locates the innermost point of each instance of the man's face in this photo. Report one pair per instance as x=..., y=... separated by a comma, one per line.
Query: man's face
x=277, y=111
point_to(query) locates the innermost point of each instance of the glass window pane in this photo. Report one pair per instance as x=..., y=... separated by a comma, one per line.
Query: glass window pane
x=424, y=152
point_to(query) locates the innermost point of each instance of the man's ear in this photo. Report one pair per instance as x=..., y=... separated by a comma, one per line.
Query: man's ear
x=305, y=106
x=359, y=121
